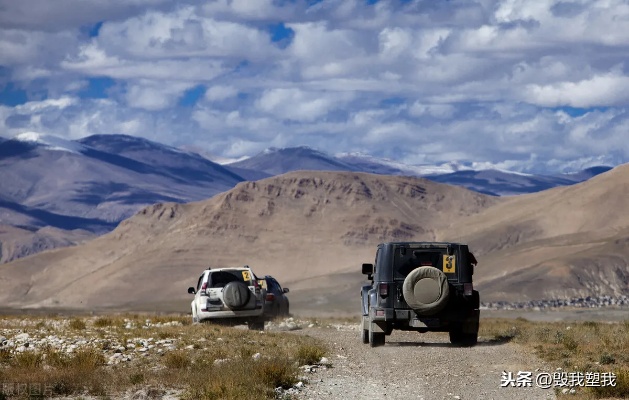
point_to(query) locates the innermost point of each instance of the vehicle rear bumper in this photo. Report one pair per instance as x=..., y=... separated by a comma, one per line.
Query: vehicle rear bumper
x=227, y=314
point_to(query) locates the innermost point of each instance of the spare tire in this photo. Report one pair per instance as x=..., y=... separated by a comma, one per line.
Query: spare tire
x=236, y=295
x=426, y=290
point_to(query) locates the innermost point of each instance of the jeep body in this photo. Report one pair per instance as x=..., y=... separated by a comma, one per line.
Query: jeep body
x=229, y=295
x=420, y=286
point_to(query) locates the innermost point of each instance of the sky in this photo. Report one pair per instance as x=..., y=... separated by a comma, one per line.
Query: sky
x=529, y=86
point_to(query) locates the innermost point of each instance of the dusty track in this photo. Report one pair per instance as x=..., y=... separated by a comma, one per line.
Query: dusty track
x=418, y=366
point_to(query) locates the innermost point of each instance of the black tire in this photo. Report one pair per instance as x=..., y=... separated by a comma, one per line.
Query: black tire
x=257, y=325
x=195, y=320
x=464, y=337
x=236, y=295
x=287, y=309
x=376, y=339
x=426, y=290
x=364, y=336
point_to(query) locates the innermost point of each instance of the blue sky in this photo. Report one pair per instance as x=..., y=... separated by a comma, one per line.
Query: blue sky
x=513, y=84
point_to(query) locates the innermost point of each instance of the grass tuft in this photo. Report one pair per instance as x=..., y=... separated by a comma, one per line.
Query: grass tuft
x=77, y=324
x=309, y=354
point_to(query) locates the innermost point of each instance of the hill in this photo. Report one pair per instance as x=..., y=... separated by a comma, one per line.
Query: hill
x=297, y=226
x=564, y=242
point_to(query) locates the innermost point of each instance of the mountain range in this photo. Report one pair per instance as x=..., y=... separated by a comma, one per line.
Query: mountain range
x=56, y=192
x=312, y=229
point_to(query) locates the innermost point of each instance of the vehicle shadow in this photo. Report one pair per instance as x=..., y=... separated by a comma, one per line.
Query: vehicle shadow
x=497, y=341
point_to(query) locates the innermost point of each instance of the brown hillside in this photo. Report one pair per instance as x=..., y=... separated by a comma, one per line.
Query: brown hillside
x=296, y=226
x=564, y=242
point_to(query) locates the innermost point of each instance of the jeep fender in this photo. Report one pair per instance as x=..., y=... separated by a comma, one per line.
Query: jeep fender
x=364, y=293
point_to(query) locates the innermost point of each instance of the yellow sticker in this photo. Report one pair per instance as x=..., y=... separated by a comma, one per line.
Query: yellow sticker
x=246, y=276
x=449, y=264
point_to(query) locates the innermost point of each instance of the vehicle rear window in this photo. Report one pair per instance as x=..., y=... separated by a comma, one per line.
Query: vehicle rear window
x=219, y=279
x=410, y=259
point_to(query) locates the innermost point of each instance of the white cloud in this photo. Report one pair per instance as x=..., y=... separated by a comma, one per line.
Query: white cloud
x=154, y=95
x=299, y=105
x=483, y=81
x=600, y=90
x=220, y=92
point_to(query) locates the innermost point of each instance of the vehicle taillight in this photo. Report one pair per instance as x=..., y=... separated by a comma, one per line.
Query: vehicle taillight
x=203, y=287
x=383, y=289
x=468, y=289
x=270, y=297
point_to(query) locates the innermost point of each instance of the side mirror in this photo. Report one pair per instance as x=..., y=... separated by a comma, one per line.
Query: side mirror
x=285, y=290
x=191, y=290
x=367, y=269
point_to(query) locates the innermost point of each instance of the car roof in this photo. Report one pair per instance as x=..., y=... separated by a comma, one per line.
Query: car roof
x=422, y=243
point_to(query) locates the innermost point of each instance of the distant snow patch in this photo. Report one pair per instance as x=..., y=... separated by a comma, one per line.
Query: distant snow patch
x=51, y=142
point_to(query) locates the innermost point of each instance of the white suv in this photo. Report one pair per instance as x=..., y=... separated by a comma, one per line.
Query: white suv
x=229, y=295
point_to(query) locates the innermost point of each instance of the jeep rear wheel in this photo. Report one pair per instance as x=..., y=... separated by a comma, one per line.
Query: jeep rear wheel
x=376, y=339
x=466, y=333
x=364, y=336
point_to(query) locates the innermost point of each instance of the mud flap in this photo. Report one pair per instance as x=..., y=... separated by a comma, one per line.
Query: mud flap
x=378, y=326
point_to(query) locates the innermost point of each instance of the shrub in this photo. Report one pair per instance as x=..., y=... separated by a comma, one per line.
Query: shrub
x=276, y=373
x=103, y=322
x=177, y=360
x=620, y=391
x=607, y=359
x=27, y=360
x=309, y=354
x=77, y=324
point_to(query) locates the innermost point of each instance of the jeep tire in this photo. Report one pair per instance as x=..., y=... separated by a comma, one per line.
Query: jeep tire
x=465, y=333
x=376, y=339
x=426, y=290
x=364, y=335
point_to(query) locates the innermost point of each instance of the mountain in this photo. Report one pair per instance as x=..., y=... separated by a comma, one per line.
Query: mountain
x=297, y=226
x=585, y=174
x=313, y=229
x=18, y=242
x=502, y=183
x=276, y=161
x=187, y=167
x=563, y=242
x=493, y=182
x=78, y=179
x=383, y=166
x=94, y=183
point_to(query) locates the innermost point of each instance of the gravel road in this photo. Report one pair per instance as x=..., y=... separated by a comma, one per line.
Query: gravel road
x=418, y=366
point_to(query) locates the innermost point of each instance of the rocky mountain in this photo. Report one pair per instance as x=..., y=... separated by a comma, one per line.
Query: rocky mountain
x=18, y=242
x=297, y=226
x=95, y=183
x=564, y=242
x=313, y=229
x=276, y=161
x=91, y=185
x=487, y=181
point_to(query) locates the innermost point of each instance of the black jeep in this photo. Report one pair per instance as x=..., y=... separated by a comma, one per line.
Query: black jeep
x=421, y=286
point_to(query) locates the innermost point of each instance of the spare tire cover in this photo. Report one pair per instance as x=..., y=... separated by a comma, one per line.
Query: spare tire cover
x=426, y=290
x=236, y=294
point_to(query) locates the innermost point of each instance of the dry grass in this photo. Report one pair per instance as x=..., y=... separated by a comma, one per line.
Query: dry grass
x=574, y=347
x=209, y=361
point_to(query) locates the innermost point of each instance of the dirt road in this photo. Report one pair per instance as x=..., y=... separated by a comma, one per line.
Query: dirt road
x=418, y=366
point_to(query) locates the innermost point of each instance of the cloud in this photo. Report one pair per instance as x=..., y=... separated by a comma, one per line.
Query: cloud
x=512, y=83
x=299, y=105
x=600, y=90
x=220, y=92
